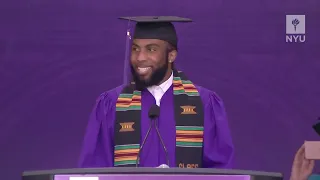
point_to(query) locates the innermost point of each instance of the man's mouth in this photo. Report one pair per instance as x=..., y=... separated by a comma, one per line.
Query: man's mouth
x=142, y=71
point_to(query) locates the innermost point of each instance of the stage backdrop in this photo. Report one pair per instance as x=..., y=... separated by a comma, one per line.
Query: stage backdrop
x=57, y=56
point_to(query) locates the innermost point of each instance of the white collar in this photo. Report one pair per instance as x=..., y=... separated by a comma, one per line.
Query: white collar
x=163, y=86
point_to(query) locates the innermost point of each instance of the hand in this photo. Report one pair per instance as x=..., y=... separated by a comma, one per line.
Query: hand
x=302, y=168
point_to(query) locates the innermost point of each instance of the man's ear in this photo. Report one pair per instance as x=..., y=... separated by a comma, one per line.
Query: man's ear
x=172, y=56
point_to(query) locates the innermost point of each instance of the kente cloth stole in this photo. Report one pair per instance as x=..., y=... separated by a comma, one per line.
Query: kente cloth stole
x=189, y=119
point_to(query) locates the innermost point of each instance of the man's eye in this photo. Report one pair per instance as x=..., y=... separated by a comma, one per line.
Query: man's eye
x=135, y=49
x=152, y=49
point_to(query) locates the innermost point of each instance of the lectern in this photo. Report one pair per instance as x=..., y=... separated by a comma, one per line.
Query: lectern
x=149, y=174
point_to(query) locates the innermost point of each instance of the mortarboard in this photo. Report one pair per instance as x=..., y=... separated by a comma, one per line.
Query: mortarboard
x=150, y=27
x=156, y=27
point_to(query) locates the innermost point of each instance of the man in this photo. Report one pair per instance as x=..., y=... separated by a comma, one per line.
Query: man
x=301, y=168
x=192, y=121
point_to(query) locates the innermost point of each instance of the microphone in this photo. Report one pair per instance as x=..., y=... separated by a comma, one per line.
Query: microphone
x=154, y=113
x=143, y=142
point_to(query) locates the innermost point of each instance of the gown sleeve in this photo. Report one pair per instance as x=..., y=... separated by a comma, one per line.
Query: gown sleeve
x=97, y=143
x=218, y=145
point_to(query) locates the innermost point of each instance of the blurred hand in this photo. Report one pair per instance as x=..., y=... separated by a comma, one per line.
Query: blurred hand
x=302, y=168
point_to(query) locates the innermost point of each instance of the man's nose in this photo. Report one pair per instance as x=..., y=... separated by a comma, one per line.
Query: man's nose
x=142, y=56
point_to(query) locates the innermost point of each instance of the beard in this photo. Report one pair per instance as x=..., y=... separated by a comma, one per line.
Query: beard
x=156, y=77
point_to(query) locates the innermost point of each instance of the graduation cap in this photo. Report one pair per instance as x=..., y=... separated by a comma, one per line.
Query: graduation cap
x=156, y=27
x=151, y=27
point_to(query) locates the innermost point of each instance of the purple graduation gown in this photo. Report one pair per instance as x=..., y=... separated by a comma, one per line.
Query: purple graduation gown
x=97, y=150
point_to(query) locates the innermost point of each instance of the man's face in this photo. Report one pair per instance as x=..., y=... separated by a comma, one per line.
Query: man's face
x=149, y=61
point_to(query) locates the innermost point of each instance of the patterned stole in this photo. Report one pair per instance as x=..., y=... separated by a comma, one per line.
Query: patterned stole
x=189, y=118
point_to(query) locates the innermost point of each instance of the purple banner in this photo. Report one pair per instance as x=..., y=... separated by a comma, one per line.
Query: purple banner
x=148, y=176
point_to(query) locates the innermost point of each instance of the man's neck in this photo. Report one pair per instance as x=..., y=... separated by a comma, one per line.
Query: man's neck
x=168, y=75
x=159, y=90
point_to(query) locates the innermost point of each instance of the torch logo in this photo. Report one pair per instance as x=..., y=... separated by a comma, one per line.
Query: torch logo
x=295, y=23
x=295, y=29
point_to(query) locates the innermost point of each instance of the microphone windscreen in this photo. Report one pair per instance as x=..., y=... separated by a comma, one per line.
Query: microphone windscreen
x=154, y=111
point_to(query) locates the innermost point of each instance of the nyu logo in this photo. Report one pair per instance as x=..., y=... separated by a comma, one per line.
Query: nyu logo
x=295, y=28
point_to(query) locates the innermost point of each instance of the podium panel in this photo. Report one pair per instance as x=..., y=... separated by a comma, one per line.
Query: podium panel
x=148, y=177
x=150, y=174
